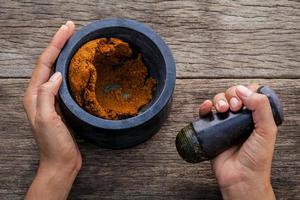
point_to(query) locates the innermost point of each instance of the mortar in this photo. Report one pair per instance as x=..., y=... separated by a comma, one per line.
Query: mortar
x=124, y=133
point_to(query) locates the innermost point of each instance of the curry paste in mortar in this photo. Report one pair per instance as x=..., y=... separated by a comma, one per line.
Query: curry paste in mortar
x=108, y=81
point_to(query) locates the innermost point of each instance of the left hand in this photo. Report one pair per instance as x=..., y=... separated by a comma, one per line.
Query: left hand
x=60, y=159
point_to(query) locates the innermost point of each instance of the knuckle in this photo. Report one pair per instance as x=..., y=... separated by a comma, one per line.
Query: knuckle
x=39, y=121
x=215, y=98
x=219, y=96
x=43, y=120
x=230, y=91
x=42, y=89
x=27, y=99
x=52, y=117
x=40, y=61
x=263, y=99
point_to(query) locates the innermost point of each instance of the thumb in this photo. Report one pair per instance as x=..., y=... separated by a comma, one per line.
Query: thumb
x=261, y=111
x=259, y=147
x=46, y=96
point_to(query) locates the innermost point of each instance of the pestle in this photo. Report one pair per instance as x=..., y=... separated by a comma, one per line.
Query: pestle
x=209, y=136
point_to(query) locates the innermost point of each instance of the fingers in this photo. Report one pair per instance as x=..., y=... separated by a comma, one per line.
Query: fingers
x=220, y=102
x=42, y=70
x=261, y=111
x=46, y=97
x=205, y=108
x=225, y=101
x=235, y=102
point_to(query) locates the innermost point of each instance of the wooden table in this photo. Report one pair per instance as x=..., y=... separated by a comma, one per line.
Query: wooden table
x=216, y=44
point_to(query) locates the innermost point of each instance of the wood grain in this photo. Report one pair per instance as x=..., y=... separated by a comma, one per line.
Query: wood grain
x=209, y=39
x=152, y=170
x=215, y=44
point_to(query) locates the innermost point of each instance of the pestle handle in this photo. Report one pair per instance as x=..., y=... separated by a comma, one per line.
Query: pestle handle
x=206, y=138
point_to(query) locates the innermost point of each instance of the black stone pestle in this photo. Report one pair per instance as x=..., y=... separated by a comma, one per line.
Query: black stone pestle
x=209, y=136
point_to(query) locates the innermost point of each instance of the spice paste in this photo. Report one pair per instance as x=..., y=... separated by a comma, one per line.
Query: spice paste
x=108, y=81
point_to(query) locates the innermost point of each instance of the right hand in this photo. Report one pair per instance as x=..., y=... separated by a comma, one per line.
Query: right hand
x=243, y=172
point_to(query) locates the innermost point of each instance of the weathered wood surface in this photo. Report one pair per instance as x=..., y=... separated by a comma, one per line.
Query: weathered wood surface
x=152, y=170
x=209, y=39
x=223, y=42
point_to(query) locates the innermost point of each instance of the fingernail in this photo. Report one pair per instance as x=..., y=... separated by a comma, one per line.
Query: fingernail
x=244, y=91
x=234, y=102
x=68, y=22
x=204, y=108
x=204, y=103
x=222, y=104
x=55, y=77
x=64, y=27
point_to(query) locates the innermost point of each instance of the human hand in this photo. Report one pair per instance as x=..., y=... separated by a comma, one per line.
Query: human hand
x=243, y=172
x=60, y=159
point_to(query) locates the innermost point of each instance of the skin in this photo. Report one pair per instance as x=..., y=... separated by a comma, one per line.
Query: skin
x=60, y=159
x=242, y=172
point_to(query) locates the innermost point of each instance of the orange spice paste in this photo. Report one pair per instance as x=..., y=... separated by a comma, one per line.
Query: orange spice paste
x=107, y=81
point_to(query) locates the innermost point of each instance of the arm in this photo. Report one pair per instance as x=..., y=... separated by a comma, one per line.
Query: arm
x=60, y=159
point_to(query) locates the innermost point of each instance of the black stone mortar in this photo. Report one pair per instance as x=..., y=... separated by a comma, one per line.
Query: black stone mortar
x=124, y=133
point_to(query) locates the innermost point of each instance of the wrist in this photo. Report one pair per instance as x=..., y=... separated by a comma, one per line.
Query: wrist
x=65, y=166
x=249, y=190
x=52, y=182
x=67, y=163
x=58, y=171
x=56, y=176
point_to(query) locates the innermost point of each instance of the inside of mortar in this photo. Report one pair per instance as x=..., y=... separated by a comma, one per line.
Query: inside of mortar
x=109, y=79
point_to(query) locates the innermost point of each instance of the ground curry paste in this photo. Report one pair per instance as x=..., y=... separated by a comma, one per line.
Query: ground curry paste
x=107, y=81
